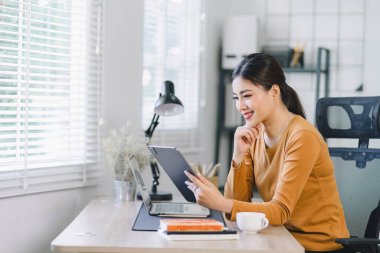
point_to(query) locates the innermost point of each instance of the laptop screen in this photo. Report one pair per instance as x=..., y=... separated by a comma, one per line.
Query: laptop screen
x=139, y=181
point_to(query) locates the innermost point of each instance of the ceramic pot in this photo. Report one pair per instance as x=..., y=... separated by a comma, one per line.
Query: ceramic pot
x=125, y=191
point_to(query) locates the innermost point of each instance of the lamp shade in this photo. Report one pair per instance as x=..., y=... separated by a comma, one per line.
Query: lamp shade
x=168, y=104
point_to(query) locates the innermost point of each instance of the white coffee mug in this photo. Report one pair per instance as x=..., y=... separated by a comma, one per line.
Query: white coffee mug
x=251, y=222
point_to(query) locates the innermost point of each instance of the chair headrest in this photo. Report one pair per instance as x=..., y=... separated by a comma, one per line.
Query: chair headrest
x=349, y=117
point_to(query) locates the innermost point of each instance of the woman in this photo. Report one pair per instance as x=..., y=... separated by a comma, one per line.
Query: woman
x=280, y=154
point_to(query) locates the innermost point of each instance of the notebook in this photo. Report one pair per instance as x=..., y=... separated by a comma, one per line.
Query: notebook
x=173, y=209
x=195, y=229
x=191, y=224
x=174, y=164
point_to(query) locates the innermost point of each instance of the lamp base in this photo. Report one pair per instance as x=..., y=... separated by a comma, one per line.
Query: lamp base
x=157, y=196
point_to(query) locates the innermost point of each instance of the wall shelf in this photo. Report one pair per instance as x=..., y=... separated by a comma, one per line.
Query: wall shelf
x=322, y=68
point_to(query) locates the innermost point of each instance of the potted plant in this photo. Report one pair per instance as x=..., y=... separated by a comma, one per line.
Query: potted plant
x=118, y=145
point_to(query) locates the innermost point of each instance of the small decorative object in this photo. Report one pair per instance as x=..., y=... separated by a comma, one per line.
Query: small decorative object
x=298, y=56
x=124, y=190
x=118, y=145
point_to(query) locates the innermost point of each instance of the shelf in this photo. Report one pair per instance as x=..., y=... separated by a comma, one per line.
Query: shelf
x=291, y=70
x=303, y=70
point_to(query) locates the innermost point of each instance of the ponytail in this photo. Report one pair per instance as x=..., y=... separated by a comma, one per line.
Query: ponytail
x=292, y=102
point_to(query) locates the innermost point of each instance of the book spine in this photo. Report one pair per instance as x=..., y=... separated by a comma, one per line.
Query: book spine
x=202, y=237
x=194, y=227
x=224, y=232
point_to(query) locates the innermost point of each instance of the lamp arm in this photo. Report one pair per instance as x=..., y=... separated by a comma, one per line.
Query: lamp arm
x=153, y=165
x=153, y=124
x=156, y=176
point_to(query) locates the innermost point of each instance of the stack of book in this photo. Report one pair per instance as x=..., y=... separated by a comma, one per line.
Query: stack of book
x=195, y=229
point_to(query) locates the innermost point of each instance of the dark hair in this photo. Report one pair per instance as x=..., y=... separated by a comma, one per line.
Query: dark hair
x=263, y=69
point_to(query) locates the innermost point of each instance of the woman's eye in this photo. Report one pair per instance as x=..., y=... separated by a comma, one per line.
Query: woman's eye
x=247, y=96
x=235, y=98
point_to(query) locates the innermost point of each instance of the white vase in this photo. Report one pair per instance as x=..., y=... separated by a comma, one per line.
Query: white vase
x=125, y=191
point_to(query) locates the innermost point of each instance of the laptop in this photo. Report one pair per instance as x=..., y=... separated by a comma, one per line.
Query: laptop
x=174, y=164
x=164, y=208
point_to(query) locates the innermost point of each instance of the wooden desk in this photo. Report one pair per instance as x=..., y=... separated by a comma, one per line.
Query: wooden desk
x=106, y=226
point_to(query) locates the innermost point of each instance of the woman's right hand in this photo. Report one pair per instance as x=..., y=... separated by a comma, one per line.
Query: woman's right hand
x=243, y=139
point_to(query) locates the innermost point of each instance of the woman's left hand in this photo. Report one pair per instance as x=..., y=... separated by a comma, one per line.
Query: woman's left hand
x=207, y=194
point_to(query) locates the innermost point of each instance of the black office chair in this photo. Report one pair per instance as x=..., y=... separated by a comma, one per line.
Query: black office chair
x=354, y=118
x=368, y=244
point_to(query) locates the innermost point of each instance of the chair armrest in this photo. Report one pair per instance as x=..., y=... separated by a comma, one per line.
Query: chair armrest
x=357, y=241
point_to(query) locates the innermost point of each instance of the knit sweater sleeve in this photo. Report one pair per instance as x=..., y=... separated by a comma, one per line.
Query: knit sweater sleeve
x=301, y=153
x=239, y=184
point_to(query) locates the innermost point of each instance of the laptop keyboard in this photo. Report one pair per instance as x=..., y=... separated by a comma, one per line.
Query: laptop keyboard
x=169, y=208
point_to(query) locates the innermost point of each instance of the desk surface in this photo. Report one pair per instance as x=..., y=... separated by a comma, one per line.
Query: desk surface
x=106, y=226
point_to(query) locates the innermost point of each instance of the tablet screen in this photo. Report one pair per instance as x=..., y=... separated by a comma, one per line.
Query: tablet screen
x=174, y=164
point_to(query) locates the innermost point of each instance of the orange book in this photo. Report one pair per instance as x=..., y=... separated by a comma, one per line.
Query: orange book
x=175, y=225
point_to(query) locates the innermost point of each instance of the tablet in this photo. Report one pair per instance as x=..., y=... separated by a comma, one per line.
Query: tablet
x=174, y=164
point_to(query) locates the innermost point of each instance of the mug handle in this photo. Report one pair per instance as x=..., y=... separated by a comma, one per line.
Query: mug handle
x=264, y=223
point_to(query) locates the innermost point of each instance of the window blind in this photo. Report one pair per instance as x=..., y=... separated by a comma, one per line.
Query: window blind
x=173, y=51
x=50, y=81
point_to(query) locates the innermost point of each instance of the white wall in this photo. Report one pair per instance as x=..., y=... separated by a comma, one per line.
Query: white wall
x=123, y=62
x=372, y=52
x=29, y=223
x=213, y=32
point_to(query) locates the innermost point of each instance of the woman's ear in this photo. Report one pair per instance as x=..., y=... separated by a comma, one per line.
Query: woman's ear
x=275, y=90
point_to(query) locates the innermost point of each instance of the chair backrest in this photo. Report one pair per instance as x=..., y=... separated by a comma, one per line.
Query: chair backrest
x=351, y=118
x=373, y=226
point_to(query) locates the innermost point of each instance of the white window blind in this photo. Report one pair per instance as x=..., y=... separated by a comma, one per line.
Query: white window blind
x=50, y=80
x=173, y=51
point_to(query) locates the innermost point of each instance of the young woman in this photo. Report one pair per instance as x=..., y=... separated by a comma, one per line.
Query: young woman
x=283, y=156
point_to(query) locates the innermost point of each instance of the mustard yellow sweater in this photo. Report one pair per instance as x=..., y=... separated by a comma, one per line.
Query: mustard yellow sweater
x=296, y=180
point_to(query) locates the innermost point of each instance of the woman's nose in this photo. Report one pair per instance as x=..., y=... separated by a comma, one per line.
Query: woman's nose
x=240, y=105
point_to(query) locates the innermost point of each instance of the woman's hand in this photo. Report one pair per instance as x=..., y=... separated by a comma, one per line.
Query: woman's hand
x=207, y=194
x=243, y=139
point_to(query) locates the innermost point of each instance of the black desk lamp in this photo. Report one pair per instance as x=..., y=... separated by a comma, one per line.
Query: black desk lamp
x=167, y=105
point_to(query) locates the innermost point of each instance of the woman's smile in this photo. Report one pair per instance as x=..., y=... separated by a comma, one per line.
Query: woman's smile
x=248, y=115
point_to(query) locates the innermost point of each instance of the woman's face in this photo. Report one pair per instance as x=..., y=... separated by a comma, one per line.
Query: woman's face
x=252, y=101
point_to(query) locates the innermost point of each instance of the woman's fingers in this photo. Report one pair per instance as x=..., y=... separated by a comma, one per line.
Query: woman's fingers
x=205, y=192
x=252, y=132
x=198, y=182
x=191, y=186
x=244, y=137
x=248, y=135
x=247, y=138
x=193, y=178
